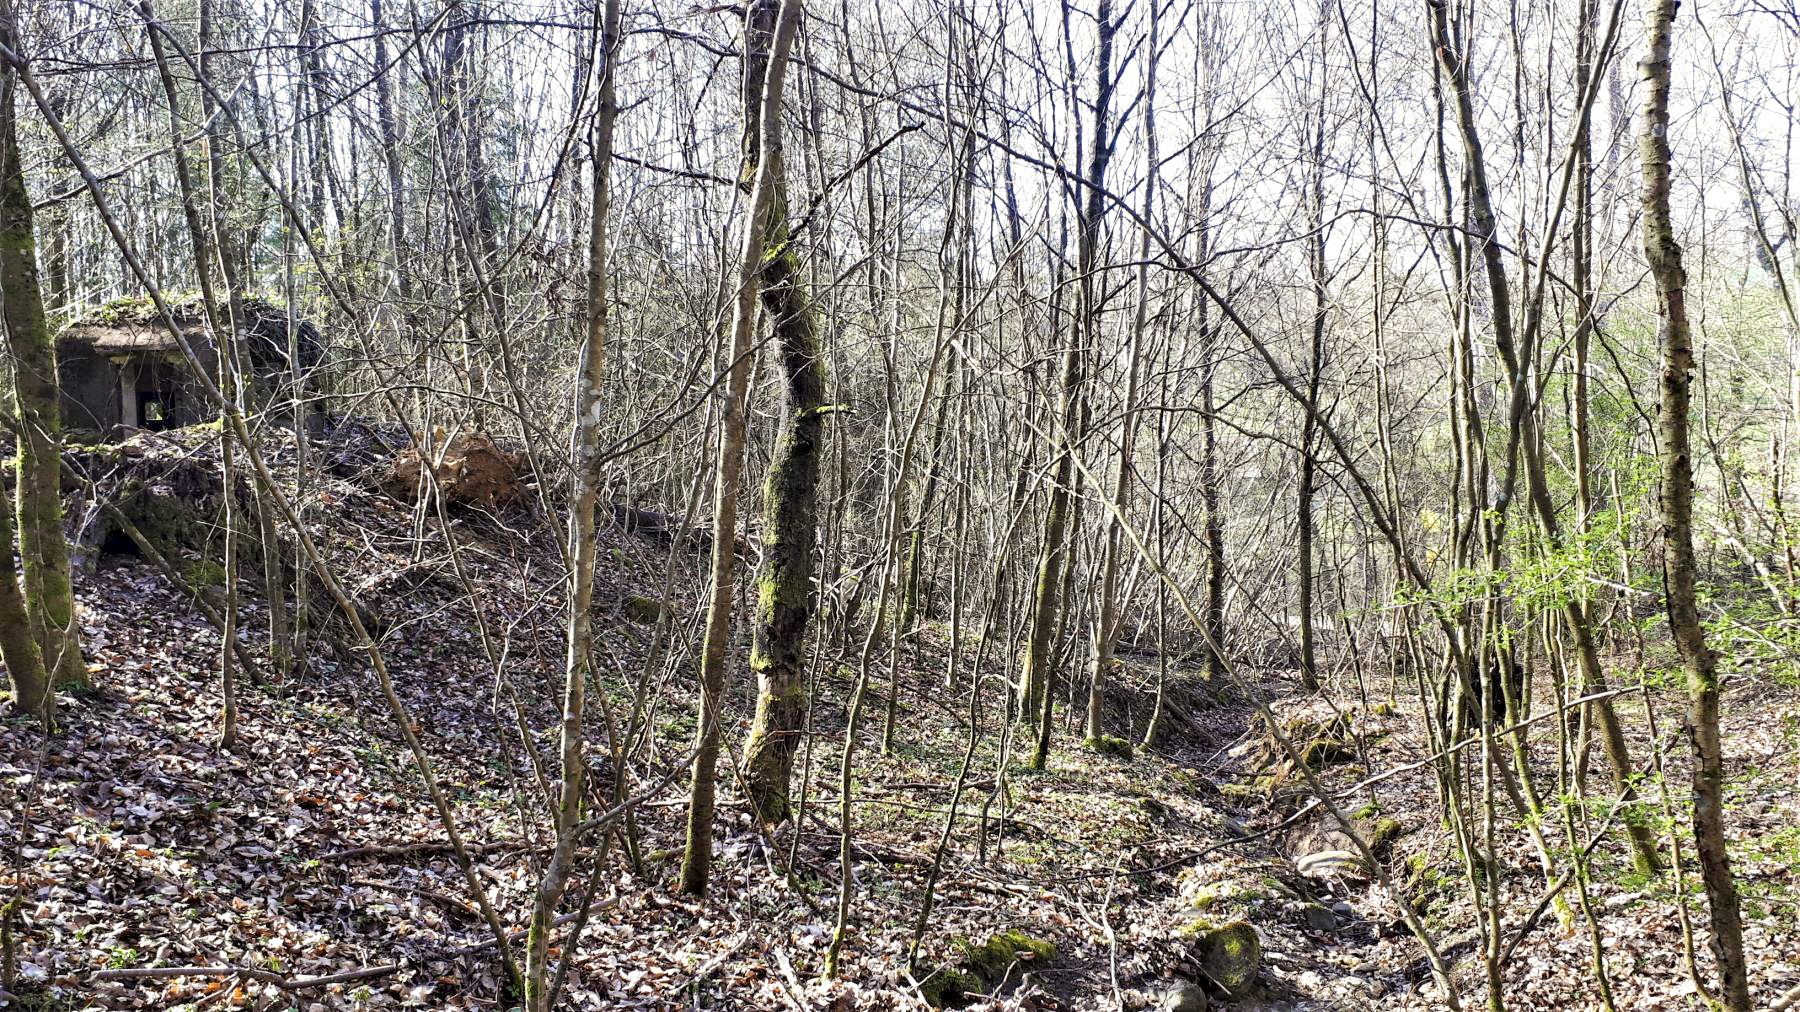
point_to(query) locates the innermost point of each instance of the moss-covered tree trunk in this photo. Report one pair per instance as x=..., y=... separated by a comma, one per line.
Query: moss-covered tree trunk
x=49, y=594
x=18, y=648
x=784, y=599
x=1663, y=253
x=696, y=864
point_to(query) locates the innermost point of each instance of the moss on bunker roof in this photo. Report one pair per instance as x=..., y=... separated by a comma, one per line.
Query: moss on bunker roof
x=133, y=323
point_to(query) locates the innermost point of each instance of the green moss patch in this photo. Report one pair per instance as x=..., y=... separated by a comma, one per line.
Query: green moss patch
x=950, y=987
x=204, y=573
x=994, y=961
x=985, y=967
x=1260, y=788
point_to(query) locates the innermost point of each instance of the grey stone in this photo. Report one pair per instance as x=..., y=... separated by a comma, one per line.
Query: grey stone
x=1319, y=918
x=1186, y=996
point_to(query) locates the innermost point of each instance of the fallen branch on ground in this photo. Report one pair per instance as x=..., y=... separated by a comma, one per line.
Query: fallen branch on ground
x=261, y=976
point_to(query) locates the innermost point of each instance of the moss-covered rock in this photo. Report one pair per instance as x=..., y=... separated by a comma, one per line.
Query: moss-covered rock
x=1306, y=729
x=1259, y=788
x=1205, y=897
x=1381, y=833
x=1107, y=745
x=1275, y=887
x=1230, y=956
x=643, y=610
x=1318, y=917
x=1196, y=928
x=1316, y=744
x=1322, y=752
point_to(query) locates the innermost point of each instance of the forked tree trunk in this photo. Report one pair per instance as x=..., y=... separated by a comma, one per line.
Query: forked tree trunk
x=1516, y=350
x=1663, y=254
x=696, y=862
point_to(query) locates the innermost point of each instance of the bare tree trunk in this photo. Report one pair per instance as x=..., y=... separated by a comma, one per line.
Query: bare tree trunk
x=230, y=379
x=474, y=204
x=1663, y=254
x=1039, y=674
x=589, y=416
x=1309, y=428
x=57, y=296
x=912, y=573
x=390, y=150
x=1106, y=618
x=220, y=321
x=1210, y=478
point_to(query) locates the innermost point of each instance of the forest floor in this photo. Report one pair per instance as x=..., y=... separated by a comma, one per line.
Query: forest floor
x=311, y=850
